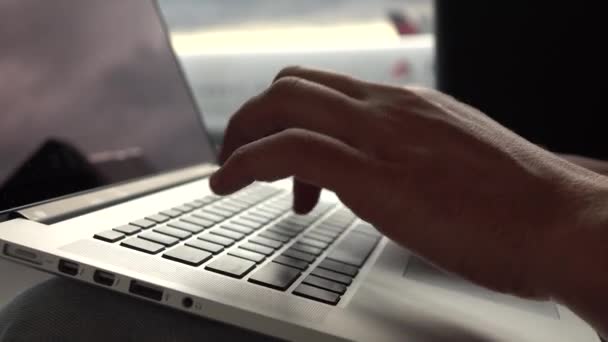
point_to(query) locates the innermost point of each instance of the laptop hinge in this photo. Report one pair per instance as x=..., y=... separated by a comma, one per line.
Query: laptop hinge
x=70, y=207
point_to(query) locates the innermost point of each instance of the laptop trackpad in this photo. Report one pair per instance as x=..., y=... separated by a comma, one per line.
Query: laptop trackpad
x=419, y=270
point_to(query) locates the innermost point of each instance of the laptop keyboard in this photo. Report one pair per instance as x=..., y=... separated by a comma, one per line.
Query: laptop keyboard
x=253, y=234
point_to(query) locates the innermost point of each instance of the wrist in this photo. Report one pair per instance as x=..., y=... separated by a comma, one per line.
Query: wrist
x=576, y=265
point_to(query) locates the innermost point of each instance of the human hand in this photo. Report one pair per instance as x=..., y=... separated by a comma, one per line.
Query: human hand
x=431, y=173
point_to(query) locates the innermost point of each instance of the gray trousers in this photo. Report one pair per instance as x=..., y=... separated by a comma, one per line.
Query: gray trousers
x=64, y=310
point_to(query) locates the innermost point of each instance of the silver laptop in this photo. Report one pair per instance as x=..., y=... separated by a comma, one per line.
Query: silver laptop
x=103, y=179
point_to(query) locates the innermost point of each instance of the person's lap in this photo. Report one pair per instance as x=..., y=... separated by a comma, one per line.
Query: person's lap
x=64, y=310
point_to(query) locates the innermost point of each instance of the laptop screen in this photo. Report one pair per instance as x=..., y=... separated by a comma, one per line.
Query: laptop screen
x=90, y=95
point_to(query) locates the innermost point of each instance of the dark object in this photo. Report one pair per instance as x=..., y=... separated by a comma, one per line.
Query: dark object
x=291, y=262
x=353, y=249
x=275, y=276
x=533, y=66
x=257, y=248
x=325, y=284
x=249, y=255
x=339, y=267
x=292, y=253
x=318, y=294
x=231, y=266
x=331, y=275
x=187, y=255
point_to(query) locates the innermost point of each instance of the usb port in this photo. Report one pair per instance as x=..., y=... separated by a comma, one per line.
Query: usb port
x=104, y=278
x=68, y=267
x=145, y=290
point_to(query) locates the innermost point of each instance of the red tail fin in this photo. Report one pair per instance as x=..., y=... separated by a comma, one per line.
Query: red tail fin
x=402, y=24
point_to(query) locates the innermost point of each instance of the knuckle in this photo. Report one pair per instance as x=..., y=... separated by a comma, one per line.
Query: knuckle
x=297, y=136
x=289, y=70
x=242, y=155
x=284, y=87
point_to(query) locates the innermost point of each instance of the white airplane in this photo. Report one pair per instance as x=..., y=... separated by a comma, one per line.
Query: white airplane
x=226, y=67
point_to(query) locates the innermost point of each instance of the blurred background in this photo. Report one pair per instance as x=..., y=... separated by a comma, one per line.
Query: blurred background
x=231, y=49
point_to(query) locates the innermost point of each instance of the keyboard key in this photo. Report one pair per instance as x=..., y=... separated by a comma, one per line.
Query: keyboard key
x=291, y=262
x=275, y=276
x=109, y=236
x=299, y=255
x=367, y=229
x=241, y=253
x=331, y=275
x=208, y=216
x=205, y=245
x=128, y=229
x=162, y=239
x=237, y=228
x=184, y=208
x=255, y=219
x=189, y=227
x=262, y=214
x=158, y=218
x=218, y=211
x=307, y=249
x=228, y=233
x=272, y=211
x=196, y=204
x=231, y=266
x=171, y=213
x=339, y=267
x=143, y=245
x=187, y=255
x=249, y=224
x=327, y=233
x=290, y=227
x=318, y=237
x=283, y=231
x=236, y=204
x=318, y=294
x=353, y=249
x=226, y=242
x=198, y=221
x=143, y=223
x=174, y=232
x=257, y=248
x=231, y=208
x=330, y=227
x=275, y=236
x=266, y=242
x=325, y=284
x=313, y=243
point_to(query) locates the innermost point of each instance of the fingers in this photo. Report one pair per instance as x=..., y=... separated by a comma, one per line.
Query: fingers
x=297, y=103
x=305, y=196
x=348, y=85
x=310, y=157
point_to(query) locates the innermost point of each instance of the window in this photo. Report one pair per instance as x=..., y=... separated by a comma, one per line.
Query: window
x=232, y=49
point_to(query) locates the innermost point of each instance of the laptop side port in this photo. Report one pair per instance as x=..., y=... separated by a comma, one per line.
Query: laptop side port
x=68, y=267
x=104, y=278
x=145, y=290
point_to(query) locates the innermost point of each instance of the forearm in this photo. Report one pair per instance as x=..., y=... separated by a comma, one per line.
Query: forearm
x=579, y=271
x=596, y=165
